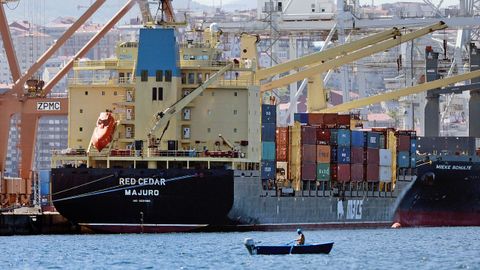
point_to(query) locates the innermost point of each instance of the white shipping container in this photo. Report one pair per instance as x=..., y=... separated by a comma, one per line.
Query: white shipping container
x=385, y=157
x=385, y=174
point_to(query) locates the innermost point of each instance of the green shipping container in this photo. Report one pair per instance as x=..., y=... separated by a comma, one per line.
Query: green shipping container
x=323, y=171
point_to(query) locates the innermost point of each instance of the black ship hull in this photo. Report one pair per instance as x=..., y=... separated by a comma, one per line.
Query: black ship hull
x=445, y=193
x=143, y=200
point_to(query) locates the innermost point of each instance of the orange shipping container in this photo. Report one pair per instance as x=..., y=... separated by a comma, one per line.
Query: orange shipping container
x=323, y=153
x=282, y=153
x=282, y=135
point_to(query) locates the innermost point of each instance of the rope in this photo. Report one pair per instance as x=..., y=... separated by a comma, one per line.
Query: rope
x=82, y=185
x=113, y=189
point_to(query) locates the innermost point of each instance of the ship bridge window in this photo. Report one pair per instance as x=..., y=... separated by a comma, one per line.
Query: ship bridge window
x=168, y=75
x=160, y=93
x=154, y=93
x=199, y=77
x=191, y=78
x=144, y=75
x=86, y=93
x=184, y=78
x=159, y=75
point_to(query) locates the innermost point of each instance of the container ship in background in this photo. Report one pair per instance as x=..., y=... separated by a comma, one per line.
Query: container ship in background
x=447, y=189
x=193, y=148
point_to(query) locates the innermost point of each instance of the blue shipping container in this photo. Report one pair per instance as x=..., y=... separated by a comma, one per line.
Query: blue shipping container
x=413, y=146
x=268, y=151
x=403, y=159
x=413, y=161
x=333, y=136
x=358, y=138
x=44, y=179
x=333, y=154
x=343, y=137
x=268, y=169
x=269, y=114
x=373, y=140
x=343, y=154
x=301, y=117
x=268, y=132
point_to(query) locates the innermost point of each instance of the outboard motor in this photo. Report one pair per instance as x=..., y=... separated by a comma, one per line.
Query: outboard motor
x=250, y=245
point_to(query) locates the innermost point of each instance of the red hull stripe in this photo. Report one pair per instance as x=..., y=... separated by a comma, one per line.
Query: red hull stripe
x=416, y=218
x=139, y=228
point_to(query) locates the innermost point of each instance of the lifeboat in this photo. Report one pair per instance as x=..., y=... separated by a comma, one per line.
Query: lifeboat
x=103, y=133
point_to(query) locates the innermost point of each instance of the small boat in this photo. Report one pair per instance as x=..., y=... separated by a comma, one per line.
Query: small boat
x=287, y=248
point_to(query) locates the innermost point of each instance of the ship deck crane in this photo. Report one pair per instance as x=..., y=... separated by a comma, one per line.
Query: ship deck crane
x=227, y=142
x=333, y=58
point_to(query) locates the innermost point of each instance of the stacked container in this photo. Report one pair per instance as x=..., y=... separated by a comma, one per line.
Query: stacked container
x=324, y=154
x=282, y=140
x=309, y=153
x=269, y=120
x=372, y=156
x=406, y=149
x=343, y=155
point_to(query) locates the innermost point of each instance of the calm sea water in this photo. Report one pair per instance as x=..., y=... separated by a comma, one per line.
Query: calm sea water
x=417, y=248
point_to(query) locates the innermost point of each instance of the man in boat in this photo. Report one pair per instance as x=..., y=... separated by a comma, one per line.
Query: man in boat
x=301, y=238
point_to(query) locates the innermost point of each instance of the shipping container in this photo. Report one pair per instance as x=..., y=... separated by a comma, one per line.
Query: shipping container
x=309, y=153
x=403, y=143
x=357, y=155
x=413, y=161
x=268, y=132
x=44, y=180
x=315, y=119
x=343, y=154
x=343, y=120
x=282, y=153
x=385, y=174
x=343, y=137
x=382, y=142
x=343, y=173
x=334, y=154
x=334, y=172
x=403, y=159
x=413, y=146
x=357, y=172
x=373, y=156
x=373, y=172
x=309, y=135
x=323, y=171
x=385, y=158
x=359, y=138
x=302, y=118
x=333, y=136
x=268, y=169
x=330, y=119
x=309, y=170
x=323, y=153
x=323, y=136
x=269, y=114
x=373, y=140
x=281, y=136
x=268, y=151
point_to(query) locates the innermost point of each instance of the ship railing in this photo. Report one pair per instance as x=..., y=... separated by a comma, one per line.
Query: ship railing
x=171, y=153
x=69, y=152
x=101, y=81
x=104, y=64
x=216, y=63
x=124, y=153
x=231, y=83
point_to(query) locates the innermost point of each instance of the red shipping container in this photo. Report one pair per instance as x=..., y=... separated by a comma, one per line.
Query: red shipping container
x=373, y=172
x=403, y=143
x=315, y=119
x=282, y=153
x=357, y=155
x=323, y=136
x=343, y=120
x=373, y=156
x=323, y=153
x=309, y=170
x=309, y=153
x=357, y=171
x=343, y=174
x=309, y=135
x=282, y=135
x=330, y=119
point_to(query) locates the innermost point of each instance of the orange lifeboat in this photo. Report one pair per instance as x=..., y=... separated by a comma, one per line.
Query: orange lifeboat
x=103, y=133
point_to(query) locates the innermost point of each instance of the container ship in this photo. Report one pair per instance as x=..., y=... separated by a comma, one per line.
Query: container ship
x=447, y=189
x=185, y=142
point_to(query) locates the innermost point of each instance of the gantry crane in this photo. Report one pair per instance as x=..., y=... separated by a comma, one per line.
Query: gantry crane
x=35, y=104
